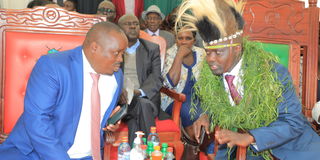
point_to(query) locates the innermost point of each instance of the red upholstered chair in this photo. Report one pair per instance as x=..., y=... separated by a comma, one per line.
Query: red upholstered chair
x=25, y=36
x=168, y=130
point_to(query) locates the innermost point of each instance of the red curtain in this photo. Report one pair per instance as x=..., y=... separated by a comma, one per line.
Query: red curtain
x=121, y=9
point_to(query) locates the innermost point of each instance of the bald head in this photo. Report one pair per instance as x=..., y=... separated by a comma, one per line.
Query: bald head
x=126, y=18
x=103, y=47
x=101, y=32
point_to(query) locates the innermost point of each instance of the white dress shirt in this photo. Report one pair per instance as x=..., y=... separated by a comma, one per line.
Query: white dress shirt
x=236, y=71
x=157, y=33
x=107, y=88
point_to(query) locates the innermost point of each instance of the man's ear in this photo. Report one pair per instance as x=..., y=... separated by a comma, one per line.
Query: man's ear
x=94, y=47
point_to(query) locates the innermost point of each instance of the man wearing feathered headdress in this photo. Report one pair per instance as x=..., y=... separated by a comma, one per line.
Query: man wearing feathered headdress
x=243, y=88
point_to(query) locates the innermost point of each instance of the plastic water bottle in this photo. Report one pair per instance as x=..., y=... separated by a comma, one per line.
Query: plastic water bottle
x=124, y=149
x=169, y=155
x=153, y=137
x=156, y=154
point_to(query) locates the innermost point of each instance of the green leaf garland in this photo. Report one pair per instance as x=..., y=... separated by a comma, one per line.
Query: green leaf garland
x=262, y=92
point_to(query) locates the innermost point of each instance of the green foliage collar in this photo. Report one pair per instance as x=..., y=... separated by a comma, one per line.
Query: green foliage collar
x=262, y=92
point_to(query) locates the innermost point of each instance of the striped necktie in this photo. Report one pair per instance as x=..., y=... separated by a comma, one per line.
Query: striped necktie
x=233, y=90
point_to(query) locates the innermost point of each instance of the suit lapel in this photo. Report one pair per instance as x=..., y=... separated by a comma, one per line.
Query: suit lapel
x=139, y=60
x=119, y=78
x=77, y=88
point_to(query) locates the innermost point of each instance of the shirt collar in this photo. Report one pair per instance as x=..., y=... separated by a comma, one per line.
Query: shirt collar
x=133, y=48
x=151, y=33
x=235, y=71
x=86, y=65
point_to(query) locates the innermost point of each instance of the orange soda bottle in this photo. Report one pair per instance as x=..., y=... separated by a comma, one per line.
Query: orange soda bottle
x=156, y=154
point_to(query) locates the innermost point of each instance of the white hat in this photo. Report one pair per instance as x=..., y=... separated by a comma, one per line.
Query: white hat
x=152, y=9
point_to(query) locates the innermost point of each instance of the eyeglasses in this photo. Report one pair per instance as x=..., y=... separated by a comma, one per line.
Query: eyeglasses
x=153, y=18
x=107, y=10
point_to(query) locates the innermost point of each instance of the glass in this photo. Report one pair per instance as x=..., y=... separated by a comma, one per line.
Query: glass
x=153, y=18
x=107, y=10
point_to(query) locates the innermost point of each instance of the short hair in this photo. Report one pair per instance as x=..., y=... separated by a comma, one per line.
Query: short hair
x=126, y=16
x=106, y=3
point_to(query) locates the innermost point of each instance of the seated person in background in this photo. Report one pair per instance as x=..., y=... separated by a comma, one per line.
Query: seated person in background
x=153, y=19
x=181, y=71
x=142, y=69
x=244, y=88
x=70, y=5
x=107, y=8
x=62, y=116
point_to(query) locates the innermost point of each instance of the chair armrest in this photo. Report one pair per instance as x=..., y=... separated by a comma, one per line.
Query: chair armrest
x=179, y=98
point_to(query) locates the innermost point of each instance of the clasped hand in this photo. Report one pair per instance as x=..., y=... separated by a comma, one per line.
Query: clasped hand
x=231, y=138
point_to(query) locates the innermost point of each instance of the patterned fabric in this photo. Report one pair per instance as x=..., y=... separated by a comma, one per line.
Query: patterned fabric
x=170, y=55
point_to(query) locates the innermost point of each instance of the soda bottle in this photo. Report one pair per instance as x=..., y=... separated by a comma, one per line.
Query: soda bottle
x=164, y=149
x=153, y=137
x=150, y=149
x=156, y=154
x=124, y=149
x=169, y=155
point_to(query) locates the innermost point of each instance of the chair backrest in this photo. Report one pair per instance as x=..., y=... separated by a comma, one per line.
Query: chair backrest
x=289, y=24
x=158, y=40
x=25, y=36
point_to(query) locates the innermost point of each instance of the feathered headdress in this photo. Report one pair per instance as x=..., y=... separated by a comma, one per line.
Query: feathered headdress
x=215, y=20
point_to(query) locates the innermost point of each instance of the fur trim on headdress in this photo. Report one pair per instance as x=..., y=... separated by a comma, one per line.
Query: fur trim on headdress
x=213, y=19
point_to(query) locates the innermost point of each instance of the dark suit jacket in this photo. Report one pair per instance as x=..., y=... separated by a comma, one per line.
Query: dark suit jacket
x=290, y=137
x=52, y=107
x=149, y=70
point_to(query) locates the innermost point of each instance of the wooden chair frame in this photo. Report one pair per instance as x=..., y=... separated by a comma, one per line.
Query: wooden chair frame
x=288, y=22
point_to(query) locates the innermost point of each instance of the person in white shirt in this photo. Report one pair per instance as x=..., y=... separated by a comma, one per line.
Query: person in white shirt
x=57, y=122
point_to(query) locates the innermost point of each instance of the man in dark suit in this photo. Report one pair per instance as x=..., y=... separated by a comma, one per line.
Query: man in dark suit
x=57, y=121
x=249, y=92
x=142, y=69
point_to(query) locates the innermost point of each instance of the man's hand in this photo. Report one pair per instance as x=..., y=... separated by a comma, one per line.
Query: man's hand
x=137, y=92
x=112, y=127
x=234, y=138
x=123, y=97
x=201, y=121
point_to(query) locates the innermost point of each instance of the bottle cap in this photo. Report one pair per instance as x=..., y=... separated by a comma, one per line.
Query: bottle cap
x=124, y=139
x=150, y=144
x=143, y=147
x=170, y=149
x=157, y=148
x=164, y=145
x=139, y=134
x=153, y=129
